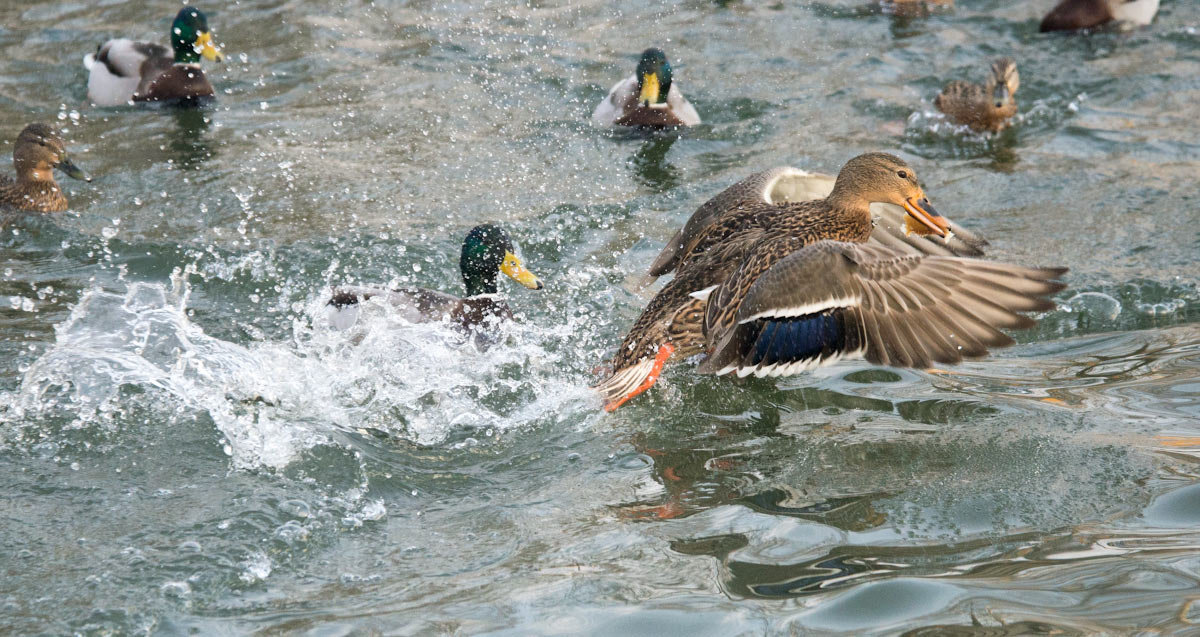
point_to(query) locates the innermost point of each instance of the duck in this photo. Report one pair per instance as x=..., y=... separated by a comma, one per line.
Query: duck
x=39, y=150
x=1073, y=15
x=123, y=70
x=790, y=184
x=649, y=98
x=775, y=289
x=914, y=8
x=487, y=251
x=987, y=107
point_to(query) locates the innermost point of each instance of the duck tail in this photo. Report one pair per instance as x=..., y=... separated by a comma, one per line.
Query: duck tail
x=634, y=379
x=89, y=61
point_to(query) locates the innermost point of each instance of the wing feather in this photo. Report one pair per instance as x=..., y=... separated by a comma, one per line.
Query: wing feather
x=898, y=308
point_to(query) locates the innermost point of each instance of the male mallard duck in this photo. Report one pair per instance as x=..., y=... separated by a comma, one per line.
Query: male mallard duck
x=38, y=151
x=771, y=289
x=983, y=107
x=486, y=251
x=1070, y=15
x=123, y=70
x=647, y=98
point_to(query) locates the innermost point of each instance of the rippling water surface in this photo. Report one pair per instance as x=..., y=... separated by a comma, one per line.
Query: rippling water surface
x=185, y=444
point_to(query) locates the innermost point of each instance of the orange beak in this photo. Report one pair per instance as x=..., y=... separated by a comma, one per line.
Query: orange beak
x=926, y=217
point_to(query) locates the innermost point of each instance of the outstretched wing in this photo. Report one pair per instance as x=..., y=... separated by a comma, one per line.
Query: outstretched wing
x=890, y=232
x=835, y=300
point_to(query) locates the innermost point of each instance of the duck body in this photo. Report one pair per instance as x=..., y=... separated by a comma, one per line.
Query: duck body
x=39, y=150
x=487, y=251
x=730, y=270
x=123, y=70
x=649, y=98
x=1073, y=15
x=420, y=305
x=787, y=184
x=986, y=107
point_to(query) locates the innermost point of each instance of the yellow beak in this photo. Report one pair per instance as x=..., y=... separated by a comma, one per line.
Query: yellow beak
x=205, y=46
x=514, y=269
x=649, y=89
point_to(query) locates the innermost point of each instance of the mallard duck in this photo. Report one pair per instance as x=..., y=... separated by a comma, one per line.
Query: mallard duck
x=772, y=289
x=914, y=8
x=786, y=184
x=122, y=70
x=983, y=107
x=1071, y=15
x=39, y=150
x=486, y=252
x=647, y=98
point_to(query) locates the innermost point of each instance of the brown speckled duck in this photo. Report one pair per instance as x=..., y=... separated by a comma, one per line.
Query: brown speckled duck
x=986, y=107
x=1072, y=15
x=39, y=150
x=649, y=98
x=486, y=252
x=773, y=289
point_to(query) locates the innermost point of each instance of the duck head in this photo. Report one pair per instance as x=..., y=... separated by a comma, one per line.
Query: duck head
x=885, y=178
x=654, y=78
x=191, y=38
x=1004, y=82
x=487, y=251
x=40, y=149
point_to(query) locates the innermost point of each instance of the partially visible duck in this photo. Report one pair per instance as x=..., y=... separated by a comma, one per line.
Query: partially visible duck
x=486, y=252
x=38, y=151
x=801, y=270
x=1071, y=15
x=986, y=107
x=648, y=98
x=786, y=184
x=123, y=71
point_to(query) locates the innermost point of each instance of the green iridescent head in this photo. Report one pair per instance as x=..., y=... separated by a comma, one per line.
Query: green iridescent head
x=191, y=38
x=487, y=251
x=654, y=77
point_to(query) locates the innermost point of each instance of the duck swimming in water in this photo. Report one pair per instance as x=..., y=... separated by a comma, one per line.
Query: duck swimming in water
x=773, y=289
x=486, y=252
x=38, y=151
x=648, y=98
x=123, y=71
x=986, y=107
x=1072, y=15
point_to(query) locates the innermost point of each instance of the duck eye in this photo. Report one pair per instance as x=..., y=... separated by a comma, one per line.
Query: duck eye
x=902, y=174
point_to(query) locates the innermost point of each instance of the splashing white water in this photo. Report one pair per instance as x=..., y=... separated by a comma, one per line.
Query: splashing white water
x=272, y=400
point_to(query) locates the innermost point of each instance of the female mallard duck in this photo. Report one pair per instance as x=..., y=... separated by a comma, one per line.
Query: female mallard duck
x=983, y=107
x=39, y=150
x=123, y=70
x=1071, y=15
x=647, y=98
x=486, y=251
x=785, y=184
x=772, y=289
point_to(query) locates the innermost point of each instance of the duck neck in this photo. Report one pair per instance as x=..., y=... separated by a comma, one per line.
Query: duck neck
x=849, y=205
x=40, y=175
x=479, y=283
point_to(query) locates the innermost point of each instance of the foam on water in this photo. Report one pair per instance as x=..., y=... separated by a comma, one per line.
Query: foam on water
x=273, y=400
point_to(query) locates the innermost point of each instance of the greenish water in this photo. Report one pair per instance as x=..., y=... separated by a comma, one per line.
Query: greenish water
x=186, y=447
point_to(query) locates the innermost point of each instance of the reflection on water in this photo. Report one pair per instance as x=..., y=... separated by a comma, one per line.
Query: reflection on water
x=650, y=164
x=189, y=144
x=186, y=447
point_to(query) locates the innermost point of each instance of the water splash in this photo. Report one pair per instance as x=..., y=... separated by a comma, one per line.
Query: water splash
x=273, y=400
